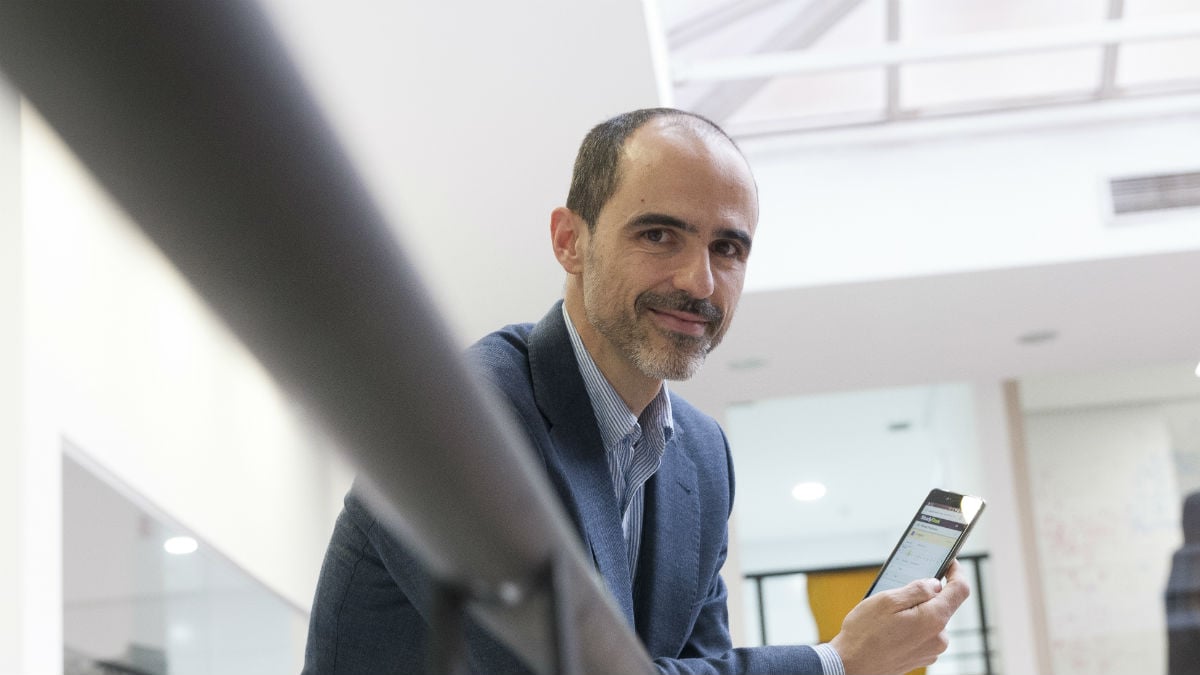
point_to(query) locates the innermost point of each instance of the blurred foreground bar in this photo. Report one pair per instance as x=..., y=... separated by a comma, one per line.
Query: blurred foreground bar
x=195, y=120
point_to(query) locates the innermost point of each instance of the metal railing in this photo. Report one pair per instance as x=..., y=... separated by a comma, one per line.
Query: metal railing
x=983, y=631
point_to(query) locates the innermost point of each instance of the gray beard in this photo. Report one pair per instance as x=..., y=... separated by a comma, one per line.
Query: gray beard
x=682, y=355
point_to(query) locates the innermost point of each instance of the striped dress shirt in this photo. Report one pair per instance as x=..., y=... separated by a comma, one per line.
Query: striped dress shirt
x=634, y=445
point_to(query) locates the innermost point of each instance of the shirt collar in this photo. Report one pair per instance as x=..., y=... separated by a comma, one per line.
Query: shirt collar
x=614, y=418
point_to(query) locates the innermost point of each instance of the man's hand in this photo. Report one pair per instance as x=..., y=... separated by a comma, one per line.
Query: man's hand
x=902, y=629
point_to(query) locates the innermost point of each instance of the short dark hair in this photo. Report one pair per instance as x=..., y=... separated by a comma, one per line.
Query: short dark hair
x=599, y=160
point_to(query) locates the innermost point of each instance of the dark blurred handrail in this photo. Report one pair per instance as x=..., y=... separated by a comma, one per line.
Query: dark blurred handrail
x=193, y=117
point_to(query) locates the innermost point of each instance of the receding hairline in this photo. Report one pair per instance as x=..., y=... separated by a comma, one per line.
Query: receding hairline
x=700, y=127
x=600, y=169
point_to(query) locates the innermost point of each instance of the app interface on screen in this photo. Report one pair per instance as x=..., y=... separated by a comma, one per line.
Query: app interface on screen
x=925, y=547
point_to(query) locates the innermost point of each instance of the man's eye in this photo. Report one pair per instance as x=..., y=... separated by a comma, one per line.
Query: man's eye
x=654, y=236
x=727, y=249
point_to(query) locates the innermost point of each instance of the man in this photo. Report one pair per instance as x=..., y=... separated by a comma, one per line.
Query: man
x=654, y=239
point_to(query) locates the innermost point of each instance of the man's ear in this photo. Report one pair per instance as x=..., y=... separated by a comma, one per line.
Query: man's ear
x=568, y=233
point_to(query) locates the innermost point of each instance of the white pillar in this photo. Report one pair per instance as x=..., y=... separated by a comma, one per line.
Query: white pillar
x=31, y=607
x=1016, y=602
x=11, y=322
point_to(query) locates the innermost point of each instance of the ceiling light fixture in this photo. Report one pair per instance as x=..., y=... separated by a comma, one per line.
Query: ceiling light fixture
x=180, y=545
x=1198, y=370
x=808, y=491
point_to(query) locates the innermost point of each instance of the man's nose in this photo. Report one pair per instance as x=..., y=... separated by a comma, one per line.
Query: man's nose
x=694, y=274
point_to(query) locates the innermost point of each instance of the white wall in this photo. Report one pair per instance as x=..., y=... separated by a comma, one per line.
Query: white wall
x=1014, y=591
x=133, y=369
x=1105, y=536
x=877, y=207
x=1107, y=452
x=465, y=119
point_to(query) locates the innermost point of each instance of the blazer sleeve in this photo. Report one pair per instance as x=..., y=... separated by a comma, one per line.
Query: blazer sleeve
x=709, y=648
x=371, y=610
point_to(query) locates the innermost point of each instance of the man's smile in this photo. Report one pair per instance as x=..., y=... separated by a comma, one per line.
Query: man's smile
x=680, y=322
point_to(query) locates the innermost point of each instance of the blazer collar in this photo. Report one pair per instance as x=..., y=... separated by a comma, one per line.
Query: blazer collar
x=579, y=463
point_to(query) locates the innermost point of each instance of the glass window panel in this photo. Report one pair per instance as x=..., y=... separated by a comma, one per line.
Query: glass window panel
x=129, y=604
x=1158, y=62
x=1136, y=8
x=814, y=96
x=745, y=35
x=789, y=619
x=1000, y=78
x=676, y=12
x=865, y=26
x=688, y=95
x=922, y=20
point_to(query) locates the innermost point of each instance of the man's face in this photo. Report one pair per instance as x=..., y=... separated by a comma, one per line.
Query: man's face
x=664, y=267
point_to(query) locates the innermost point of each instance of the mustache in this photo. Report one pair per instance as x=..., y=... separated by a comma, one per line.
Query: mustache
x=680, y=301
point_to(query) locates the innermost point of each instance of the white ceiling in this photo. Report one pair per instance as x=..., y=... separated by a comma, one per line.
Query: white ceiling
x=1114, y=313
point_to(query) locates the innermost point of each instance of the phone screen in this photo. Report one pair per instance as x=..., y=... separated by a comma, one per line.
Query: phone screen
x=933, y=538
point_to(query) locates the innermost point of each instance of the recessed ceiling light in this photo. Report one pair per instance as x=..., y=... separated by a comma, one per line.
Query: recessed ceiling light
x=808, y=491
x=180, y=545
x=1038, y=337
x=1198, y=370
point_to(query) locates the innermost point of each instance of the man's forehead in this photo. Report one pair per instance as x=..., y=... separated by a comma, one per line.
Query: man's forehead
x=678, y=133
x=678, y=140
x=671, y=162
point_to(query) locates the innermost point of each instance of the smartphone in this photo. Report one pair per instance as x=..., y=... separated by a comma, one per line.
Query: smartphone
x=931, y=541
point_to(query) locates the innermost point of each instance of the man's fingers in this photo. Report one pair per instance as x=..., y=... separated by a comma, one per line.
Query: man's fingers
x=956, y=589
x=955, y=571
x=915, y=593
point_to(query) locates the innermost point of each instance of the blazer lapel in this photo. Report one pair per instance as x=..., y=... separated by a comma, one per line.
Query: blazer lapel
x=668, y=563
x=579, y=467
x=595, y=508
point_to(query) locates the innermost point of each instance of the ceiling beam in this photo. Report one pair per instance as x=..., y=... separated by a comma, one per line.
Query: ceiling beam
x=892, y=73
x=758, y=66
x=1108, y=64
x=991, y=116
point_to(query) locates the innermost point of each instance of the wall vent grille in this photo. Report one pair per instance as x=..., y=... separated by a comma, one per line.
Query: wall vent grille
x=1140, y=194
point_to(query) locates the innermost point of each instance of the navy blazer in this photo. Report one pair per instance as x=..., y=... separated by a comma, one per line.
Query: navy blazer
x=369, y=613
